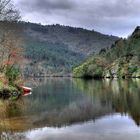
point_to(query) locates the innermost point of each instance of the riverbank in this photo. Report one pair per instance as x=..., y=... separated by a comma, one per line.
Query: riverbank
x=7, y=91
x=112, y=76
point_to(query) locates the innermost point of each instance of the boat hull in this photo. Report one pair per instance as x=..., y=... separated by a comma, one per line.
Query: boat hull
x=26, y=91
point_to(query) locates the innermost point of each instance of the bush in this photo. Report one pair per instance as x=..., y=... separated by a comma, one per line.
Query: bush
x=93, y=67
x=12, y=74
x=132, y=68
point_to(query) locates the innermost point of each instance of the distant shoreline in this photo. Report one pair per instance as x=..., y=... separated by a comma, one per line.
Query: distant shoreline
x=70, y=76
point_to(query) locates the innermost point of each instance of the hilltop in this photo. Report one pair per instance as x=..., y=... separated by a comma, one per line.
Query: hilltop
x=56, y=49
x=122, y=60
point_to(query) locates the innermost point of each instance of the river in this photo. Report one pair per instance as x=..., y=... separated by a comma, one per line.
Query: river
x=74, y=109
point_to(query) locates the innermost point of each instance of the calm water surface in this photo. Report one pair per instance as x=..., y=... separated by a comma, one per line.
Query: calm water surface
x=74, y=109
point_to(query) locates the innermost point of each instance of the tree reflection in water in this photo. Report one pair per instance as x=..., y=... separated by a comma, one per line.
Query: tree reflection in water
x=62, y=102
x=122, y=95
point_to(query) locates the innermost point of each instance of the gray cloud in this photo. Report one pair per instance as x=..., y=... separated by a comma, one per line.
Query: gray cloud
x=117, y=17
x=42, y=6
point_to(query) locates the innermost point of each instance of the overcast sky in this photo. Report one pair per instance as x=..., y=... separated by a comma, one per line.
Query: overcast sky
x=116, y=17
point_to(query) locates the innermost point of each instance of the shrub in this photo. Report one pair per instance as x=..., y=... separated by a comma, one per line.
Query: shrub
x=12, y=74
x=132, y=68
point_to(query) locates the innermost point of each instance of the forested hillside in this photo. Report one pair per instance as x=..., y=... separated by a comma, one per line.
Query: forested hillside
x=56, y=49
x=121, y=60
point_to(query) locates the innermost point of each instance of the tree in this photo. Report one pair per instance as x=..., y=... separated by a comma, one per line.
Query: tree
x=8, y=12
x=10, y=41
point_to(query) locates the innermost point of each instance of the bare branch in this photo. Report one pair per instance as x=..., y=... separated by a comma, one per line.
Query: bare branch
x=8, y=12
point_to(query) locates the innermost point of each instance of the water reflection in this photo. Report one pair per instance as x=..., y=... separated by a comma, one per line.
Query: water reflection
x=62, y=103
x=114, y=127
x=122, y=95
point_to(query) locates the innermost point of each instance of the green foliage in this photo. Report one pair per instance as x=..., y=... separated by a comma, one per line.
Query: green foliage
x=56, y=49
x=54, y=57
x=132, y=68
x=91, y=68
x=7, y=88
x=12, y=74
x=122, y=58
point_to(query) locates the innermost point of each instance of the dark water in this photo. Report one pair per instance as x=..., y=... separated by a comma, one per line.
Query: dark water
x=74, y=109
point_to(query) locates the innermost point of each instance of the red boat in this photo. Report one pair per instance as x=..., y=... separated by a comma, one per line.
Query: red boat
x=26, y=90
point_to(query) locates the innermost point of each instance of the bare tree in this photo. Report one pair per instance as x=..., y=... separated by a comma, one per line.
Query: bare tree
x=8, y=12
x=10, y=39
x=11, y=51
